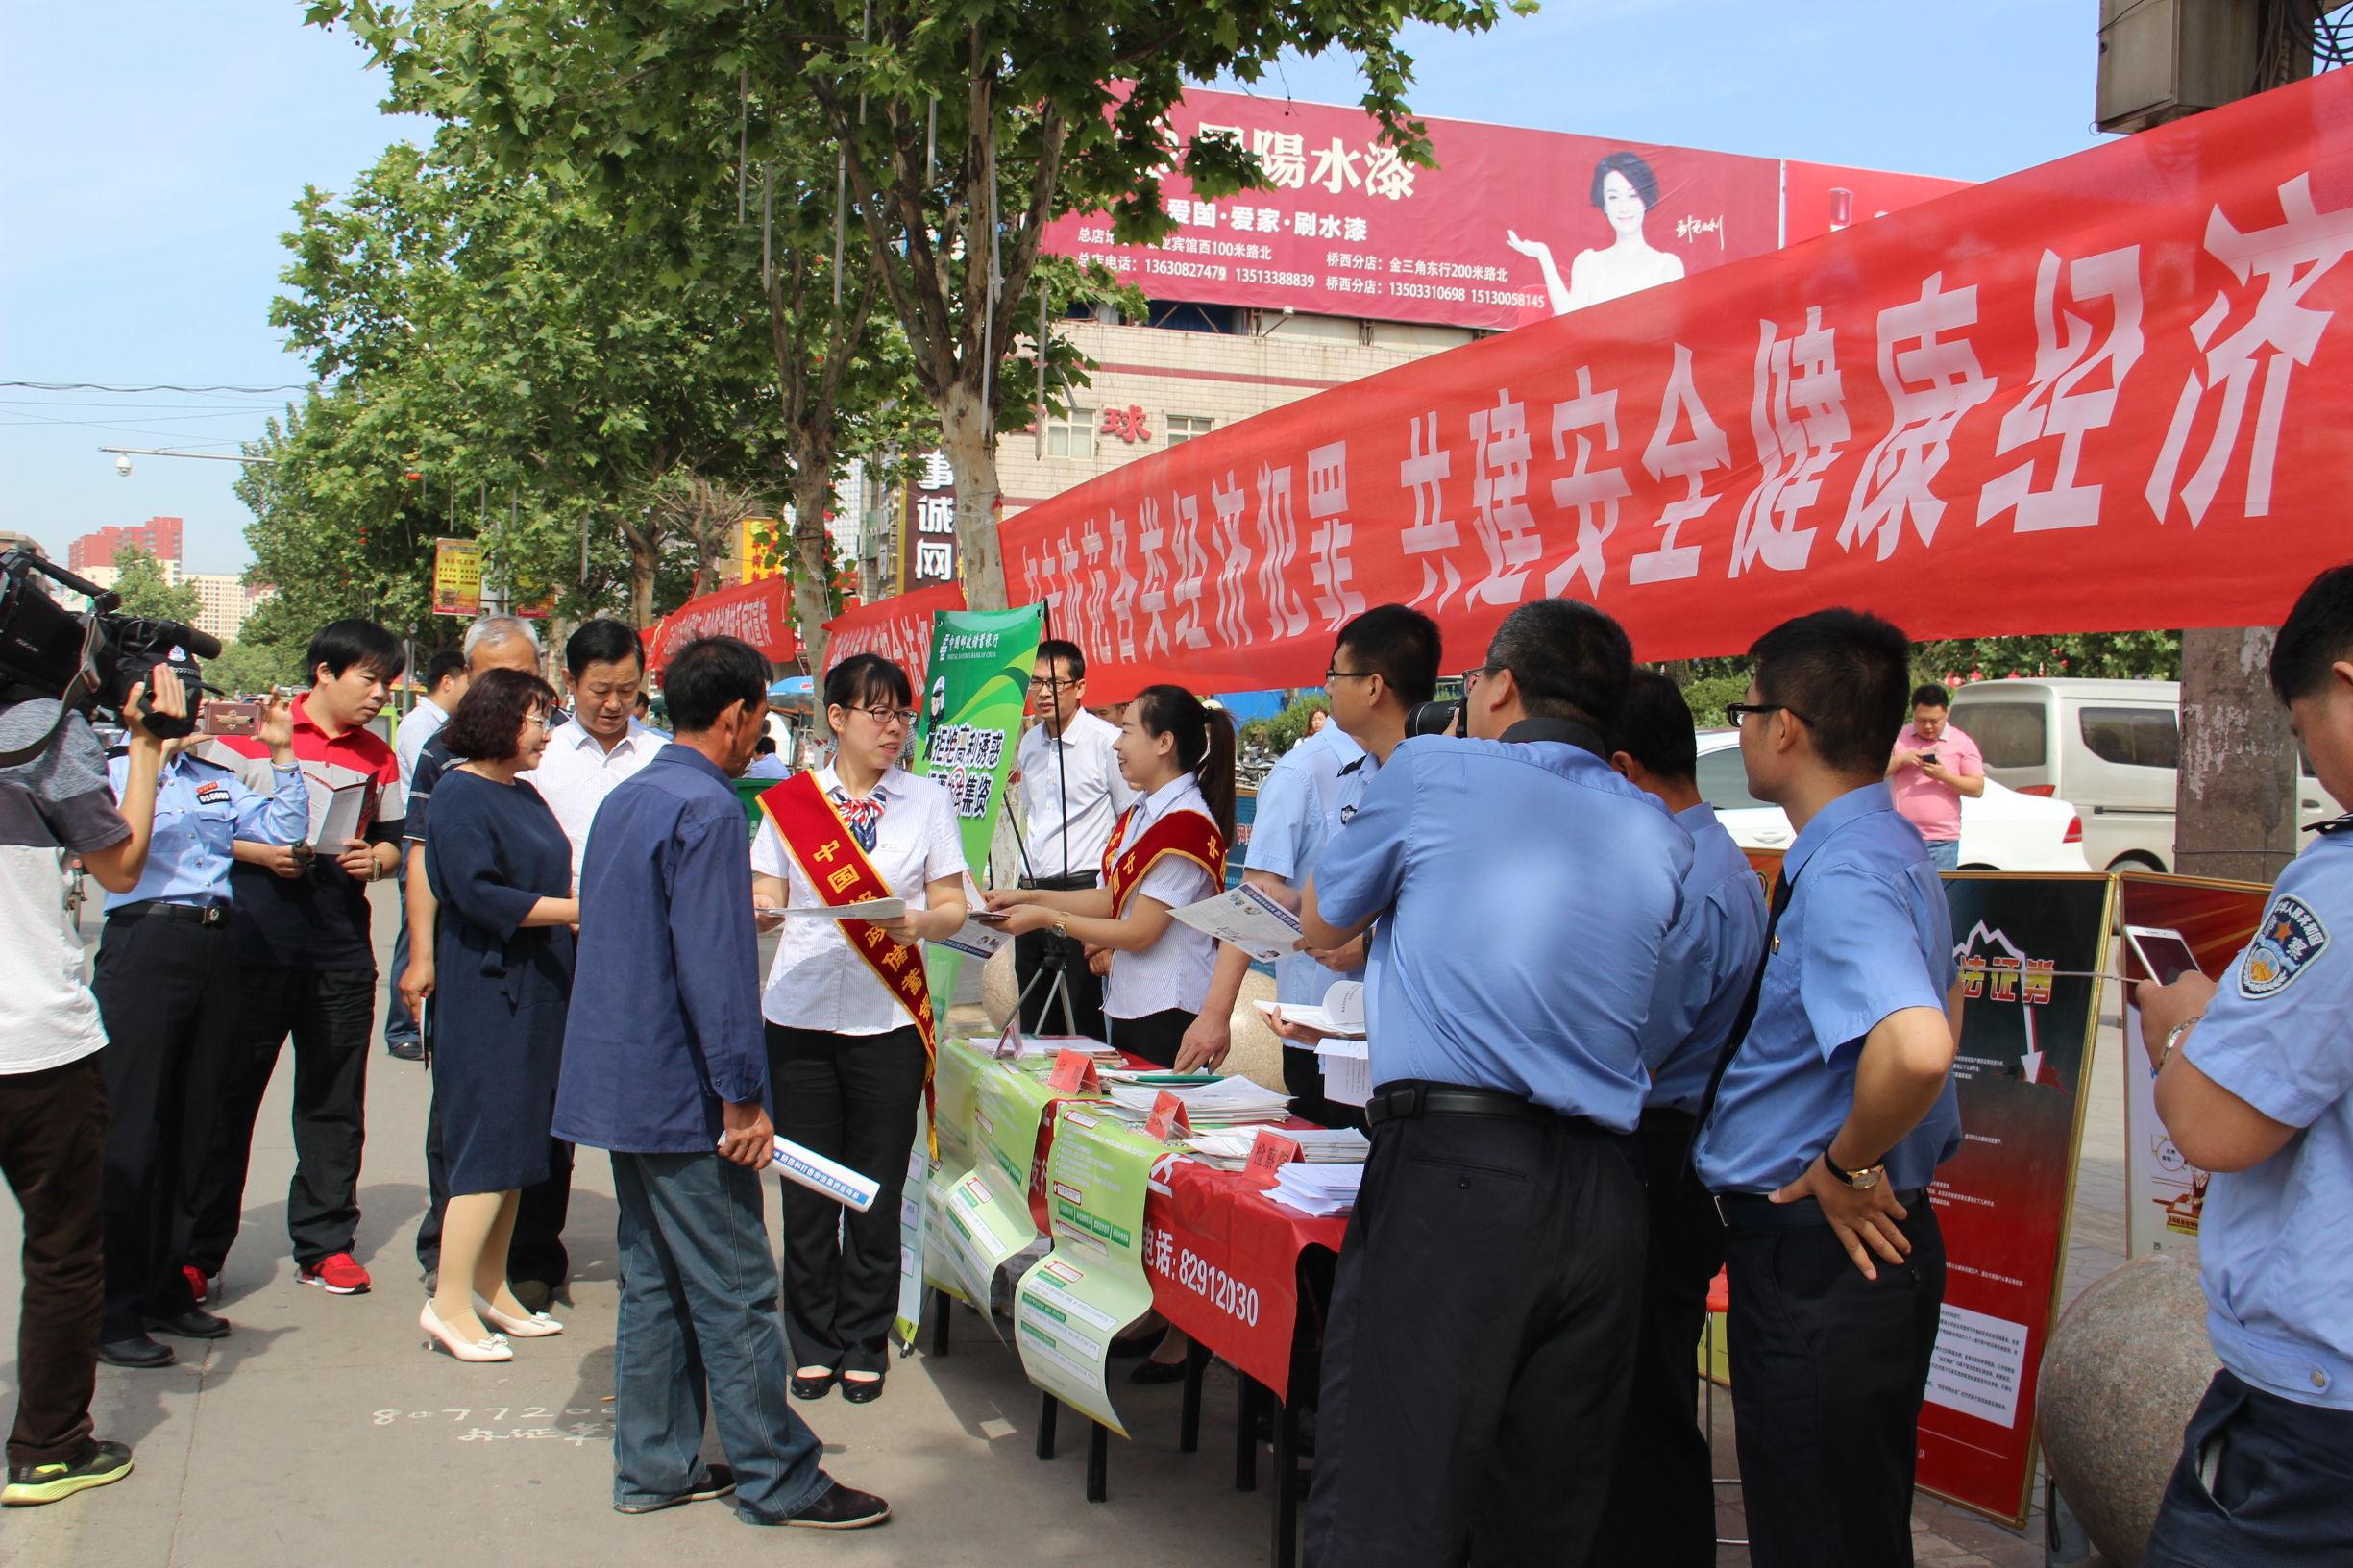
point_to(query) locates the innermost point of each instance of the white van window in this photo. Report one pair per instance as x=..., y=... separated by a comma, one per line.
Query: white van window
x=2133, y=736
x=2009, y=734
x=1724, y=781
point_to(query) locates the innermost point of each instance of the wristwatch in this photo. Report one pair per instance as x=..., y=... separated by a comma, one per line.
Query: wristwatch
x=1862, y=1180
x=1062, y=924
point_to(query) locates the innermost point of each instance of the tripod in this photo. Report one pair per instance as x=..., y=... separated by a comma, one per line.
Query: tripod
x=1053, y=966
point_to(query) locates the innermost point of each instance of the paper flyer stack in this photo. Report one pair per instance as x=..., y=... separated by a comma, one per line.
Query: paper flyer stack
x=1320, y=1192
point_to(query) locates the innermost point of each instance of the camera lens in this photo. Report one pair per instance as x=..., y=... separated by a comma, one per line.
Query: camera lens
x=1431, y=718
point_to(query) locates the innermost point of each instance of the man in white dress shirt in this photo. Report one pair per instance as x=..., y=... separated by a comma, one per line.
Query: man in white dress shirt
x=1073, y=793
x=603, y=665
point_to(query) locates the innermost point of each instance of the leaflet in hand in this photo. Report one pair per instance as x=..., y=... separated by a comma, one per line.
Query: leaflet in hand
x=865, y=909
x=1248, y=918
x=1341, y=1017
x=337, y=815
x=977, y=937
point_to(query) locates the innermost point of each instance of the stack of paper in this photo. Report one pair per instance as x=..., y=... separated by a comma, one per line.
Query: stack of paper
x=1317, y=1190
x=1318, y=1145
x=1229, y=1102
x=1347, y=1069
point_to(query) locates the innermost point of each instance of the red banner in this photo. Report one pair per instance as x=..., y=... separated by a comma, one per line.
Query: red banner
x=899, y=628
x=1513, y=225
x=2101, y=395
x=760, y=613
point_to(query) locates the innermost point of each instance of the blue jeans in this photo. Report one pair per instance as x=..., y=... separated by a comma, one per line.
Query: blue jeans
x=1944, y=854
x=698, y=1312
x=400, y=1025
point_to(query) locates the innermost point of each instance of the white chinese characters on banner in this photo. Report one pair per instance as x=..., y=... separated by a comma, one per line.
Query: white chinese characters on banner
x=2070, y=352
x=1929, y=386
x=928, y=537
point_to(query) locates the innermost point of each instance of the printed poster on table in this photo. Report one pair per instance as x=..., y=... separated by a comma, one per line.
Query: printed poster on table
x=1077, y=1299
x=2025, y=945
x=2166, y=1194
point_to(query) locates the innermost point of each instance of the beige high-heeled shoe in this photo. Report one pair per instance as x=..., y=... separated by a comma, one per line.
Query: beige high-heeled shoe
x=535, y=1326
x=445, y=1339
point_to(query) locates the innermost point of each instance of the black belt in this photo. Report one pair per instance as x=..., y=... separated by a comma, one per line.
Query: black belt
x=159, y=909
x=1755, y=1212
x=1407, y=1102
x=1071, y=883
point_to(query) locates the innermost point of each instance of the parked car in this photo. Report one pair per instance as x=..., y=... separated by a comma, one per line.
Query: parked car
x=2002, y=831
x=2111, y=747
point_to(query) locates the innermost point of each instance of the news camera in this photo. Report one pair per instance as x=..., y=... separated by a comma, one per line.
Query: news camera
x=87, y=661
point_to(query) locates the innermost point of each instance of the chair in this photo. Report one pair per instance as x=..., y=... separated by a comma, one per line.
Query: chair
x=1719, y=1302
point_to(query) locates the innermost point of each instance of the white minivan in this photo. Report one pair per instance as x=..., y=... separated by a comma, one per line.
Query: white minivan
x=2109, y=746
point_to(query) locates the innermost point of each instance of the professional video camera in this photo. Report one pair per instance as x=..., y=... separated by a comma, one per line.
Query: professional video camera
x=91, y=661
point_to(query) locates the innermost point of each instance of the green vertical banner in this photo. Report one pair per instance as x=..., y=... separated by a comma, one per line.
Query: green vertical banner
x=975, y=688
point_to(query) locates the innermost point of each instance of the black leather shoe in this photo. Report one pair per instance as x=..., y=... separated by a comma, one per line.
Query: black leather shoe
x=137, y=1350
x=720, y=1482
x=1150, y=1372
x=862, y=1390
x=193, y=1323
x=842, y=1508
x=406, y=1050
x=813, y=1388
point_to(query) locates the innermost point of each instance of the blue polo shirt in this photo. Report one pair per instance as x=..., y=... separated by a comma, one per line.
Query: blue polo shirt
x=2274, y=1250
x=1703, y=974
x=1867, y=933
x=1525, y=893
x=665, y=1018
x=1299, y=804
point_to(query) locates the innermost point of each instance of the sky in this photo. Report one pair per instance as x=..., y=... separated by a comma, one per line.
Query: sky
x=150, y=155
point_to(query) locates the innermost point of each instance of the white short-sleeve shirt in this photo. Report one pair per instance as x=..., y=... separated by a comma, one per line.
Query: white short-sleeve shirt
x=1174, y=971
x=818, y=980
x=577, y=772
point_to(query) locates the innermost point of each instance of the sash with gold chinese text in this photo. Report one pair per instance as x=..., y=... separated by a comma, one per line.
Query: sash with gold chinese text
x=822, y=846
x=1186, y=834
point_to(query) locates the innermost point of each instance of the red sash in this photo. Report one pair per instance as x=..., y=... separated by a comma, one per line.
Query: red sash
x=1185, y=833
x=822, y=846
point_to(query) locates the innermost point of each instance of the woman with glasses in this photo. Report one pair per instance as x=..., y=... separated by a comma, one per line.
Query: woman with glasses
x=502, y=869
x=846, y=1054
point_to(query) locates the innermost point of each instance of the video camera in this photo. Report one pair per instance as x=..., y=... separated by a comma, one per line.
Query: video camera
x=91, y=661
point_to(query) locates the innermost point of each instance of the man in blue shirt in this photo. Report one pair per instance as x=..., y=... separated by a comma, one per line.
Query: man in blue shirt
x=1662, y=1510
x=1831, y=1110
x=1483, y=1312
x=2255, y=1084
x=666, y=1065
x=1384, y=664
x=445, y=682
x=167, y=987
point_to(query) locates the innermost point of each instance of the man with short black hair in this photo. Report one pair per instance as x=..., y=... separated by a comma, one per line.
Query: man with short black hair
x=307, y=962
x=1932, y=769
x=1830, y=1110
x=2255, y=1083
x=666, y=1057
x=1482, y=1321
x=1662, y=1510
x=445, y=684
x=1071, y=791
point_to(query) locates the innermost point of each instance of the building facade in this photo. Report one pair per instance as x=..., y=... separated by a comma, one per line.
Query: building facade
x=158, y=536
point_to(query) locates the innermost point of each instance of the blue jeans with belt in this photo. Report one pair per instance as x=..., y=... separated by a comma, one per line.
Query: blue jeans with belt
x=1944, y=854
x=698, y=1314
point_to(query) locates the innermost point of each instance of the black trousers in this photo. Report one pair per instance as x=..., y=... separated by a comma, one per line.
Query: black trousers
x=52, y=1151
x=331, y=1014
x=1477, y=1355
x=1036, y=950
x=1662, y=1505
x=536, y=1250
x=1828, y=1373
x=167, y=988
x=851, y=1098
x=2261, y=1481
x=1155, y=1037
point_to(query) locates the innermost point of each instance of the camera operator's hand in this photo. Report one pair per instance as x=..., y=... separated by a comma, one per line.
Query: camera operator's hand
x=275, y=729
x=170, y=700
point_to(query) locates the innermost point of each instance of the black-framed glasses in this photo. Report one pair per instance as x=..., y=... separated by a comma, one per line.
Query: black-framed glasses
x=1331, y=676
x=1736, y=712
x=1477, y=672
x=885, y=717
x=1049, y=683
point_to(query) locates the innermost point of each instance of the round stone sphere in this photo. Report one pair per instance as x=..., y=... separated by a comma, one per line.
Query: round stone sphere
x=2123, y=1372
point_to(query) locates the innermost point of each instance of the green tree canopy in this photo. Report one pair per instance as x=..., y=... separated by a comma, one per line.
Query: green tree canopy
x=144, y=589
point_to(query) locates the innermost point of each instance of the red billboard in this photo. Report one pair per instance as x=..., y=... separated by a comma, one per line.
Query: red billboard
x=1513, y=225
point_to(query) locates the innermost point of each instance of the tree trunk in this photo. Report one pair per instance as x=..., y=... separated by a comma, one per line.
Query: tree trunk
x=645, y=556
x=812, y=560
x=2235, y=792
x=968, y=434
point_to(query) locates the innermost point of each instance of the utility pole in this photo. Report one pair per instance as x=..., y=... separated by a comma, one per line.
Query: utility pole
x=2235, y=795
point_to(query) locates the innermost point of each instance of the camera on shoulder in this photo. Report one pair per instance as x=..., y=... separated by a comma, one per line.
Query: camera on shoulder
x=88, y=661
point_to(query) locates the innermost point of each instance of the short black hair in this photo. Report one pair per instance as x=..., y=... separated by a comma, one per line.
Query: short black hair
x=442, y=666
x=340, y=644
x=1571, y=661
x=2318, y=633
x=1845, y=674
x=489, y=716
x=1654, y=728
x=603, y=641
x=1400, y=644
x=1638, y=175
x=708, y=676
x=1931, y=694
x=1056, y=649
x=865, y=678
x=764, y=747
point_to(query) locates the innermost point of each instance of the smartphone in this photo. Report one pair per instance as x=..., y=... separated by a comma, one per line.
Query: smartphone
x=2165, y=955
x=225, y=717
x=992, y=917
x=1930, y=756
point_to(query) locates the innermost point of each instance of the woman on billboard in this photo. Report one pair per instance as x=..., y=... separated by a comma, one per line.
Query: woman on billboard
x=1624, y=191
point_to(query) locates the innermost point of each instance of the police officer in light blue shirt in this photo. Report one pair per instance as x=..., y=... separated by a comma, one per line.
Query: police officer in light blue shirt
x=1830, y=1110
x=167, y=983
x=1662, y=1511
x=1485, y=1307
x=2255, y=1086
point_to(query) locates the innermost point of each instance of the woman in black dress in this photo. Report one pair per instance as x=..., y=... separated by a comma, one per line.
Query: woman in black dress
x=502, y=950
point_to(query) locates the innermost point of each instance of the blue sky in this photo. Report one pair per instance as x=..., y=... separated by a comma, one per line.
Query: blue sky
x=149, y=155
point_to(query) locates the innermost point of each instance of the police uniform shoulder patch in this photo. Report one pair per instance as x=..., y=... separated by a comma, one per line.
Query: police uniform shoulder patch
x=2285, y=945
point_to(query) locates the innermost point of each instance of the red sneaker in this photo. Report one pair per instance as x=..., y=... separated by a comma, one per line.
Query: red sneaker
x=198, y=1285
x=337, y=1274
